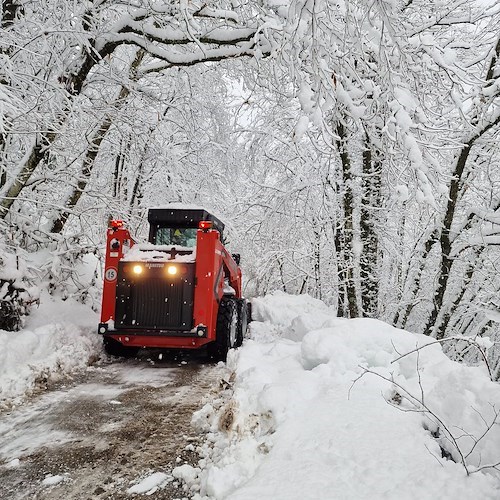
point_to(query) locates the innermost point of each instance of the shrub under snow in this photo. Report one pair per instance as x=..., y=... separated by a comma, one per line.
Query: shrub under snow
x=59, y=339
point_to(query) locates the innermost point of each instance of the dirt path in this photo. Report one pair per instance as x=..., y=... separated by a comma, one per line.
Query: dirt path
x=98, y=436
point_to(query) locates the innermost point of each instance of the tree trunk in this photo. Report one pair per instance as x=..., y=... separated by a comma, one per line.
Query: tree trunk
x=446, y=260
x=341, y=273
x=440, y=329
x=34, y=158
x=74, y=84
x=9, y=12
x=317, y=262
x=348, y=227
x=87, y=166
x=413, y=287
x=3, y=156
x=137, y=193
x=93, y=150
x=371, y=201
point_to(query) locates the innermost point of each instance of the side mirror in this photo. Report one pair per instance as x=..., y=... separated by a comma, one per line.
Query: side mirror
x=236, y=258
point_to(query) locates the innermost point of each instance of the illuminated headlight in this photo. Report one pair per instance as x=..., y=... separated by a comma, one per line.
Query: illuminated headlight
x=172, y=270
x=137, y=269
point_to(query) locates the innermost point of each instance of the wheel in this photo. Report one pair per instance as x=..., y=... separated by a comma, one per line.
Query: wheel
x=242, y=321
x=115, y=348
x=226, y=330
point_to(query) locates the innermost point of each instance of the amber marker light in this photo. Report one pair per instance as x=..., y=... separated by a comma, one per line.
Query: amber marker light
x=205, y=225
x=116, y=224
x=172, y=270
x=137, y=269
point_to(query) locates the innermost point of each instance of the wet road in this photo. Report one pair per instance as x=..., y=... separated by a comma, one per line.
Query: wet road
x=96, y=437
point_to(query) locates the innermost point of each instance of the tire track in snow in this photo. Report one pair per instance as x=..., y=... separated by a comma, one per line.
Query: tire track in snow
x=99, y=436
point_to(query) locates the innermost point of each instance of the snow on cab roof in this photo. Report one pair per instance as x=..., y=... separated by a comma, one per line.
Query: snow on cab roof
x=180, y=206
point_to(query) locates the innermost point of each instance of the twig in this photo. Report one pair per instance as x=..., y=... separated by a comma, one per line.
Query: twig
x=424, y=409
x=448, y=339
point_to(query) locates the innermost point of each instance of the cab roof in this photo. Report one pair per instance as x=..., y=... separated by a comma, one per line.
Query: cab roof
x=182, y=217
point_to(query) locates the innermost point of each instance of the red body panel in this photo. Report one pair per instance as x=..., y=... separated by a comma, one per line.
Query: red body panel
x=159, y=341
x=213, y=266
x=115, y=237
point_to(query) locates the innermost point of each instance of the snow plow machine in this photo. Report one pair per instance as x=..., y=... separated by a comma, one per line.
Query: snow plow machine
x=182, y=290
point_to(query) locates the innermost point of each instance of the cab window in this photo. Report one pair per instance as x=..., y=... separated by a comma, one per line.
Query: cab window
x=184, y=237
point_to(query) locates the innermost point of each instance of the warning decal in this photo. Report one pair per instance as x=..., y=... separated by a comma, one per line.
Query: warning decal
x=110, y=274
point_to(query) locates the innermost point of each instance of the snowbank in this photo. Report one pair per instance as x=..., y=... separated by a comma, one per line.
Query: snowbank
x=323, y=407
x=281, y=309
x=59, y=338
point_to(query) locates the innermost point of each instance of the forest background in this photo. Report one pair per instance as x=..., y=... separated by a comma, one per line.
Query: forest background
x=350, y=146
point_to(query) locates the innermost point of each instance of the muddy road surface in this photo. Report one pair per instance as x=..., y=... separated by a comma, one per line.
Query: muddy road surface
x=98, y=436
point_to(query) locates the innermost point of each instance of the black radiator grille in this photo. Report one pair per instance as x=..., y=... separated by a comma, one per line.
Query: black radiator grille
x=154, y=299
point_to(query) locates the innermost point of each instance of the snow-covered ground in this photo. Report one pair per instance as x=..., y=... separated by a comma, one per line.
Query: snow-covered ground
x=322, y=407
x=59, y=338
x=315, y=407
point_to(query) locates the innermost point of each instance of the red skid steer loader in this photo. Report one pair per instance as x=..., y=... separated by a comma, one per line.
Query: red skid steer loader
x=182, y=290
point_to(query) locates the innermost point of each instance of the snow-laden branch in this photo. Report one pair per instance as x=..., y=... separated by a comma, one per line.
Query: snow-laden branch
x=177, y=35
x=175, y=58
x=216, y=14
x=448, y=17
x=172, y=36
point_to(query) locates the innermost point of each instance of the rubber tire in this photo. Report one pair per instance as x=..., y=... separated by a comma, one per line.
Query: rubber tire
x=226, y=331
x=115, y=348
x=242, y=321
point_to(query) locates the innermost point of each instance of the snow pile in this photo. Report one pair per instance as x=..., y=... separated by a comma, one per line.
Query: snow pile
x=333, y=408
x=281, y=309
x=59, y=338
x=150, y=484
x=51, y=480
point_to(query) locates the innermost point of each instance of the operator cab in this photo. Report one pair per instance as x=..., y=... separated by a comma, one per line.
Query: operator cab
x=175, y=226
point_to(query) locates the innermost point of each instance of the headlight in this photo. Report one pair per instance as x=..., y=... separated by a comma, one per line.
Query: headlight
x=172, y=270
x=137, y=269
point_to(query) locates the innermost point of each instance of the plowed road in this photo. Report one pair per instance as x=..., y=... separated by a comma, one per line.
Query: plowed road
x=95, y=437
